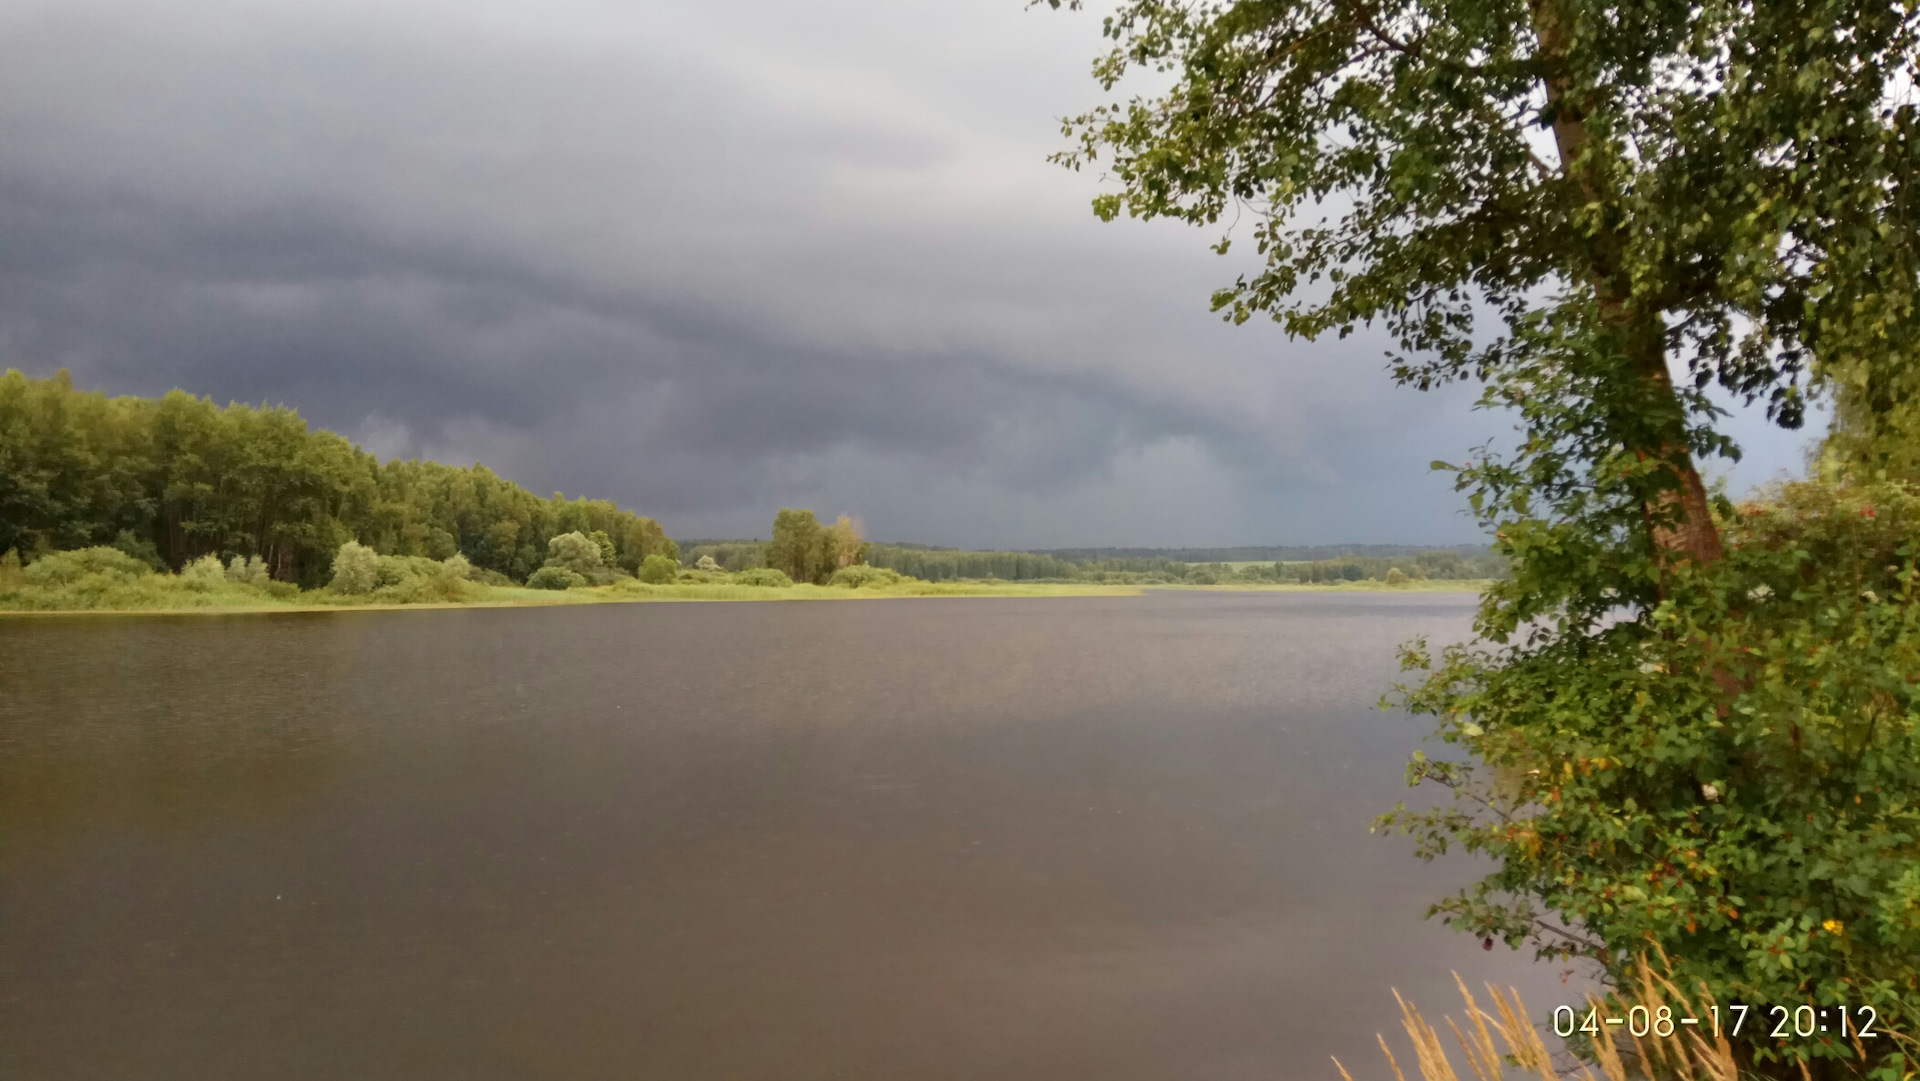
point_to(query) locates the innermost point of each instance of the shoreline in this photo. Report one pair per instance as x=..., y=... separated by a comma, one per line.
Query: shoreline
x=726, y=594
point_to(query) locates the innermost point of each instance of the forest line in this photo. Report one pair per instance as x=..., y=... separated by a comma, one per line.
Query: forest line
x=243, y=500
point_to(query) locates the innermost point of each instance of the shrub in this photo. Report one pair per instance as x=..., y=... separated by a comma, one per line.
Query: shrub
x=58, y=569
x=656, y=569
x=425, y=589
x=356, y=569
x=1396, y=577
x=414, y=579
x=576, y=552
x=706, y=563
x=391, y=571
x=248, y=572
x=139, y=548
x=861, y=576
x=797, y=548
x=204, y=575
x=1729, y=774
x=1202, y=576
x=762, y=576
x=555, y=577
x=11, y=572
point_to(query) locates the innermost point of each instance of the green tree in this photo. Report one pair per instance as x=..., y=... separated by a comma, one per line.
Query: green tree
x=575, y=552
x=608, y=556
x=658, y=569
x=139, y=548
x=842, y=545
x=204, y=574
x=1568, y=200
x=555, y=576
x=1722, y=190
x=797, y=549
x=251, y=571
x=356, y=569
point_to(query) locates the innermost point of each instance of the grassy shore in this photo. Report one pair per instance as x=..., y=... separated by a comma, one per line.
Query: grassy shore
x=158, y=596
x=165, y=595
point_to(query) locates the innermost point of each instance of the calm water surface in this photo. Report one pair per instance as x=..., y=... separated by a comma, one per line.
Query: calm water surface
x=1107, y=838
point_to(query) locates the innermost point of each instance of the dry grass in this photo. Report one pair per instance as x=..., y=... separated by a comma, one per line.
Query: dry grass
x=1494, y=1043
x=1502, y=1043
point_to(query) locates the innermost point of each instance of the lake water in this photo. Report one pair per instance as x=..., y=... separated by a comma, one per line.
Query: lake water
x=1108, y=838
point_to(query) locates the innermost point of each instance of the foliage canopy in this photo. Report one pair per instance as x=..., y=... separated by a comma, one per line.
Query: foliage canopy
x=179, y=477
x=806, y=551
x=1697, y=747
x=1733, y=777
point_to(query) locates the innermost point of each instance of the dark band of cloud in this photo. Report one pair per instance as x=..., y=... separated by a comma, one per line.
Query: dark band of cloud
x=706, y=266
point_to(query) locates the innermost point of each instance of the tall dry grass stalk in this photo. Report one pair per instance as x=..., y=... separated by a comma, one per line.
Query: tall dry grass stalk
x=1494, y=1043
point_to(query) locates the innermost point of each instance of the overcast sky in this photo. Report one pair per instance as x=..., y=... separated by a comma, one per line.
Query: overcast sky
x=705, y=259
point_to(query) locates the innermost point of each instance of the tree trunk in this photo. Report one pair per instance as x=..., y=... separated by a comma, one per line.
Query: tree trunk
x=1691, y=532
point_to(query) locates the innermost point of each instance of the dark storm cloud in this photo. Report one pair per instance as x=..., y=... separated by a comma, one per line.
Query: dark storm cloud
x=707, y=260
x=320, y=310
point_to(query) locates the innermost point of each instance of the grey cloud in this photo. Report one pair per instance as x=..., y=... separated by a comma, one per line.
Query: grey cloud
x=707, y=260
x=331, y=315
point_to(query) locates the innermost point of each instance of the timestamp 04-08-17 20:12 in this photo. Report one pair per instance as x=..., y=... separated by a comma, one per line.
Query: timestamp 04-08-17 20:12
x=1779, y=1022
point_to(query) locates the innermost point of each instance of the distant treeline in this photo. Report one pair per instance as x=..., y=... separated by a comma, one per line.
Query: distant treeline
x=731, y=555
x=944, y=564
x=1264, y=553
x=169, y=480
x=1443, y=564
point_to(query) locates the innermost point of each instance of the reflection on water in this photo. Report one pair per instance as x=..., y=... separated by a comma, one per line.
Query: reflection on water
x=1032, y=838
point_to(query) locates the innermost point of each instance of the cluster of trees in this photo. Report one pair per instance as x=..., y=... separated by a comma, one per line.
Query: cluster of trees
x=731, y=556
x=172, y=479
x=806, y=551
x=591, y=559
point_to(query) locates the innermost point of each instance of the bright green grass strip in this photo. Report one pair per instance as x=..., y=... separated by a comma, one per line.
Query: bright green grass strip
x=171, y=594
